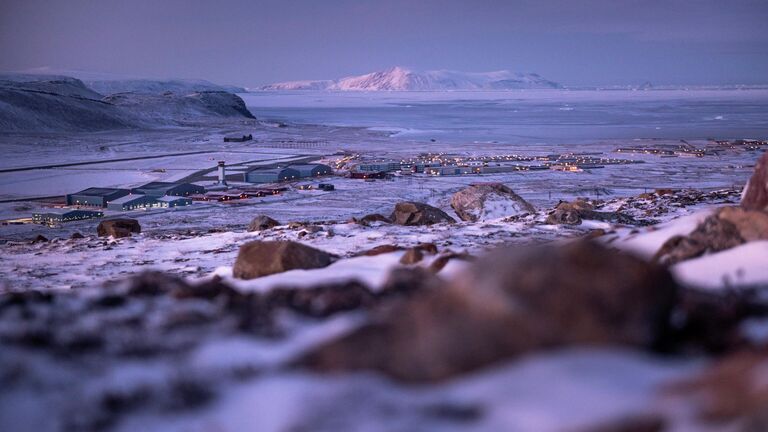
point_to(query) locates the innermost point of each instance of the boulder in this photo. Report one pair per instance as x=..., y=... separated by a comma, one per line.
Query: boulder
x=752, y=225
x=262, y=258
x=483, y=201
x=40, y=239
x=755, y=196
x=118, y=228
x=411, y=256
x=76, y=235
x=511, y=302
x=415, y=213
x=372, y=218
x=728, y=227
x=261, y=223
x=442, y=260
x=573, y=213
x=380, y=249
x=733, y=389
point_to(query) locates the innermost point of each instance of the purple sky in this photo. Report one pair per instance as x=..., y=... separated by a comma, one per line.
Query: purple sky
x=590, y=42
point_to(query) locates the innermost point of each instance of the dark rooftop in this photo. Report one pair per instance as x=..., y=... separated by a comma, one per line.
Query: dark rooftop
x=99, y=191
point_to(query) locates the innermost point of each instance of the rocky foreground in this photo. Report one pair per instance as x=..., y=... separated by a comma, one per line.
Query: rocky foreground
x=622, y=324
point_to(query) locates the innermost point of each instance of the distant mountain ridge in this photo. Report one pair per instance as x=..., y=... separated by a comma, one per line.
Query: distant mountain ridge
x=403, y=79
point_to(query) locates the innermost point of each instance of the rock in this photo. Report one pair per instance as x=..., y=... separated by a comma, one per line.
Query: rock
x=415, y=213
x=662, y=192
x=118, y=228
x=429, y=248
x=574, y=212
x=380, y=249
x=76, y=235
x=755, y=196
x=728, y=227
x=441, y=261
x=411, y=256
x=511, y=302
x=372, y=218
x=262, y=258
x=323, y=300
x=261, y=223
x=733, y=389
x=408, y=280
x=595, y=233
x=40, y=239
x=482, y=201
x=752, y=225
x=312, y=229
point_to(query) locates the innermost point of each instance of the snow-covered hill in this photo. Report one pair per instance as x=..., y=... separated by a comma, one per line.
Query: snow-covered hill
x=54, y=103
x=147, y=86
x=402, y=79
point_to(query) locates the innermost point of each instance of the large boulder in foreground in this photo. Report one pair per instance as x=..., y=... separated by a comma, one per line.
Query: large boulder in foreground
x=261, y=223
x=483, y=201
x=416, y=213
x=512, y=301
x=755, y=195
x=118, y=228
x=727, y=228
x=262, y=258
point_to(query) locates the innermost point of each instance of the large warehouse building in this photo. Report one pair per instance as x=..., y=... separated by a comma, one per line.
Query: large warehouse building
x=133, y=202
x=168, y=188
x=312, y=170
x=52, y=218
x=271, y=175
x=292, y=172
x=96, y=197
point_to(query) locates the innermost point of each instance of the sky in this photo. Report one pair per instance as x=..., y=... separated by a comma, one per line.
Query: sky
x=255, y=42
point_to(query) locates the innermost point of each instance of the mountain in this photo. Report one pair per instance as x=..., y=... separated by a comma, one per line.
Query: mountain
x=402, y=79
x=55, y=103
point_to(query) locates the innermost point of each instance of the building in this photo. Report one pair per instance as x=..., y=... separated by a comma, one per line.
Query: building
x=224, y=196
x=419, y=167
x=451, y=170
x=134, y=202
x=367, y=175
x=173, y=201
x=96, y=197
x=377, y=167
x=271, y=175
x=238, y=138
x=312, y=170
x=159, y=189
x=53, y=218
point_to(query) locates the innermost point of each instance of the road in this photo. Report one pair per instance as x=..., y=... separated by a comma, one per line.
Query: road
x=101, y=161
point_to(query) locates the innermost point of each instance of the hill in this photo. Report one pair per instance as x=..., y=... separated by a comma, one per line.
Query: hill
x=56, y=103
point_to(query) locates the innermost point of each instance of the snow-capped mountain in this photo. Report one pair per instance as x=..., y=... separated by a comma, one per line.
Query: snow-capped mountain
x=402, y=79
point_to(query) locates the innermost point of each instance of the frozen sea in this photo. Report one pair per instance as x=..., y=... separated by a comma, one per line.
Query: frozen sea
x=528, y=116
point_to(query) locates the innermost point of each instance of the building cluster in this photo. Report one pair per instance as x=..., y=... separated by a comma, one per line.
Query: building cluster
x=150, y=195
x=442, y=164
x=746, y=144
x=669, y=151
